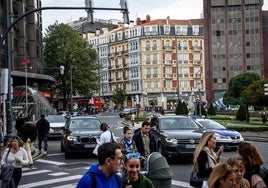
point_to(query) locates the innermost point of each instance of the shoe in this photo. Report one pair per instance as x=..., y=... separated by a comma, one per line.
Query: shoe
x=45, y=152
x=30, y=165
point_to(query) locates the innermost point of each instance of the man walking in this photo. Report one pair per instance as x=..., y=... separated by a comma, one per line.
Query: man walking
x=145, y=142
x=104, y=174
x=42, y=127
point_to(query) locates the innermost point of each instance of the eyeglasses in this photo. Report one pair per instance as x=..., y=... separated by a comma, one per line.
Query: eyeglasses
x=133, y=155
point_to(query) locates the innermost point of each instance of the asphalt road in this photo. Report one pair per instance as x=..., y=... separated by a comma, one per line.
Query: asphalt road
x=53, y=170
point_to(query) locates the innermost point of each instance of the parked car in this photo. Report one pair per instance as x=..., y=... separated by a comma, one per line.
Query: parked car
x=56, y=123
x=229, y=138
x=127, y=111
x=80, y=134
x=177, y=136
x=65, y=114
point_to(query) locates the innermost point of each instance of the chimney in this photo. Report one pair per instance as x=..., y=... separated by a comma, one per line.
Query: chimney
x=148, y=18
x=167, y=20
x=138, y=21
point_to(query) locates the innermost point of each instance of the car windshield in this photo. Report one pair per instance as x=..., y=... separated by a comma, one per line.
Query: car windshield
x=211, y=124
x=178, y=124
x=85, y=124
x=55, y=119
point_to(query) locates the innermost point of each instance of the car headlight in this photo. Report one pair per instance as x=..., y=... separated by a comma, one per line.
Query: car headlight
x=71, y=138
x=220, y=137
x=171, y=140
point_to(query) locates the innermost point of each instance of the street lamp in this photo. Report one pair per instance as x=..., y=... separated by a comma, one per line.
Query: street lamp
x=26, y=62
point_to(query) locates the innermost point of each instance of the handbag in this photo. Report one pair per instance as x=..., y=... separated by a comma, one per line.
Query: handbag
x=112, y=138
x=196, y=181
x=95, y=151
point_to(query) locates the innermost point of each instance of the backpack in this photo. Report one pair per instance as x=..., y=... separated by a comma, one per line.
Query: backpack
x=264, y=174
x=257, y=181
x=94, y=182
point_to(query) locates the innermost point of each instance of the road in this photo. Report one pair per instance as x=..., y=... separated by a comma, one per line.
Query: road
x=53, y=170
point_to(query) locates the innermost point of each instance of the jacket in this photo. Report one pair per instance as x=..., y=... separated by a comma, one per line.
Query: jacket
x=204, y=170
x=43, y=127
x=101, y=180
x=139, y=142
x=143, y=182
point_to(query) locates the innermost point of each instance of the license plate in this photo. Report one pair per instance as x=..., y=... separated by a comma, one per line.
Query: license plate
x=190, y=146
x=89, y=145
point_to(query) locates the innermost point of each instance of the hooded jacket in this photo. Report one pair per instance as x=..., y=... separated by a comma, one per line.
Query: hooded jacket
x=101, y=180
x=142, y=182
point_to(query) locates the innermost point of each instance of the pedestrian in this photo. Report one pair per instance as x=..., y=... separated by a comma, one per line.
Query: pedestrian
x=221, y=177
x=106, y=135
x=132, y=177
x=104, y=174
x=15, y=155
x=132, y=119
x=28, y=136
x=19, y=123
x=205, y=159
x=238, y=170
x=253, y=161
x=127, y=144
x=263, y=117
x=145, y=142
x=42, y=127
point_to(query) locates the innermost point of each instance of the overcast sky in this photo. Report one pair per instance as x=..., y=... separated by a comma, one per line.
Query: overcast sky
x=175, y=9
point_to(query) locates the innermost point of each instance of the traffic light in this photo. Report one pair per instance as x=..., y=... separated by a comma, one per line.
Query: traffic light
x=266, y=89
x=123, y=4
x=61, y=69
x=89, y=4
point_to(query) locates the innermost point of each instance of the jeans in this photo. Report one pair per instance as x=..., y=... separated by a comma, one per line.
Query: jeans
x=40, y=139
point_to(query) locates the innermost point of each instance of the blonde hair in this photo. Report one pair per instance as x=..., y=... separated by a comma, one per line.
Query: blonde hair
x=234, y=161
x=202, y=144
x=15, y=138
x=221, y=171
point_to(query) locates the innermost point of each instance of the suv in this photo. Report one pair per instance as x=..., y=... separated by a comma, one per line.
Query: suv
x=80, y=134
x=127, y=111
x=176, y=135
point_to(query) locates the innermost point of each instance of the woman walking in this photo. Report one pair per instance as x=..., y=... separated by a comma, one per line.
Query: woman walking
x=15, y=155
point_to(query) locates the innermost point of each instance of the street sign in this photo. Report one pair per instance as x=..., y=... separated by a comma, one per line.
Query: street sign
x=266, y=89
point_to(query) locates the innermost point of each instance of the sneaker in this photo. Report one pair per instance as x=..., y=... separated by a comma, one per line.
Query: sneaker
x=45, y=152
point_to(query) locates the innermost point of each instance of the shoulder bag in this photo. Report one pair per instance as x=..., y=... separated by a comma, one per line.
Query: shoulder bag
x=196, y=181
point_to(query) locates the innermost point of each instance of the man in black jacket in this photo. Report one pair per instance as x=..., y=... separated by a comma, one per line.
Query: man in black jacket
x=145, y=142
x=43, y=127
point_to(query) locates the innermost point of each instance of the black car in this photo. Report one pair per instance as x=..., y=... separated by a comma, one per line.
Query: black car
x=176, y=135
x=127, y=111
x=80, y=134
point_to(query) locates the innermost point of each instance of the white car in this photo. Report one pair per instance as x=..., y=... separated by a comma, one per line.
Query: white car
x=56, y=123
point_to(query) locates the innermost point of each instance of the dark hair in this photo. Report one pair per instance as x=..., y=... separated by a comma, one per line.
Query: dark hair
x=145, y=123
x=125, y=129
x=104, y=127
x=43, y=116
x=107, y=150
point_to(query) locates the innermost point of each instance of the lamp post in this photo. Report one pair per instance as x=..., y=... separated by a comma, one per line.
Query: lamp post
x=26, y=62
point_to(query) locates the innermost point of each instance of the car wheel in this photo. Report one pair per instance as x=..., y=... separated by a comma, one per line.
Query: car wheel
x=62, y=149
x=67, y=154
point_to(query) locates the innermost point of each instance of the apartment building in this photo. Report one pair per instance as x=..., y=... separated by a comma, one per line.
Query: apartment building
x=156, y=62
x=233, y=32
x=26, y=42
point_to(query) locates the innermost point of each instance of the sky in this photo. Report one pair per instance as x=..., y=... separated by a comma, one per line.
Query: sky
x=175, y=9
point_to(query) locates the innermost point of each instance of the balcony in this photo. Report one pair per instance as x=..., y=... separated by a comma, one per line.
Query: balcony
x=168, y=76
x=196, y=48
x=168, y=48
x=197, y=62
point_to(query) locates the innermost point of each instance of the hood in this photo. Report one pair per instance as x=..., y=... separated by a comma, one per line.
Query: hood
x=183, y=134
x=56, y=125
x=85, y=133
x=225, y=132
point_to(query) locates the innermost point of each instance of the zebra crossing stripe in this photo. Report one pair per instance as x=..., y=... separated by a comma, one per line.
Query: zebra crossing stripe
x=50, y=181
x=35, y=172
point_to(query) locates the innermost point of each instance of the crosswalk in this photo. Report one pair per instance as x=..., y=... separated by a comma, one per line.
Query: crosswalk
x=59, y=178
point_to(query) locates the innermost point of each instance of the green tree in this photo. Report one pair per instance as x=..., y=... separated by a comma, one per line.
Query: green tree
x=185, y=108
x=254, y=93
x=65, y=47
x=237, y=84
x=211, y=110
x=118, y=97
x=180, y=109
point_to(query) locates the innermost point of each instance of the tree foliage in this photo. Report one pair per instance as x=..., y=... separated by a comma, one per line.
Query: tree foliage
x=119, y=96
x=181, y=108
x=65, y=47
x=211, y=110
x=236, y=86
x=254, y=93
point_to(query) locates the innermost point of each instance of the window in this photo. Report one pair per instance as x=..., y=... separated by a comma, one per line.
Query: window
x=154, y=45
x=166, y=29
x=148, y=60
x=147, y=45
